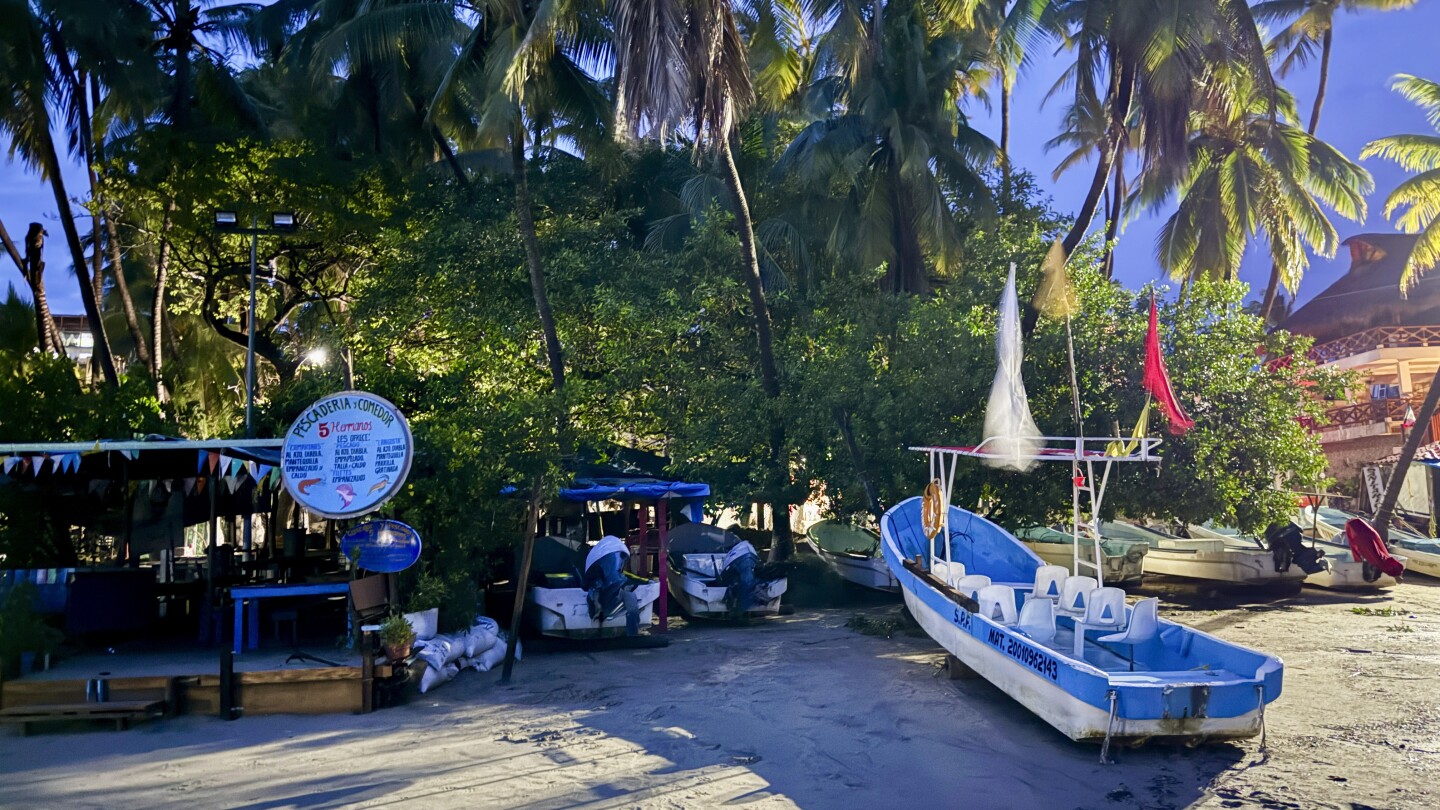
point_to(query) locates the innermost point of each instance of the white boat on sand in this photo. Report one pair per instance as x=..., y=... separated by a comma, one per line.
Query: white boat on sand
x=853, y=553
x=1325, y=529
x=1212, y=559
x=714, y=574
x=557, y=603
x=1123, y=561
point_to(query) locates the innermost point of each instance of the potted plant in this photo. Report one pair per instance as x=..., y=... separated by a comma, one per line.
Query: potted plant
x=396, y=637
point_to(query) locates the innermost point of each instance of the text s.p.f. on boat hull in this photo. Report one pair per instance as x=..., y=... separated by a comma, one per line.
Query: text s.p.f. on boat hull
x=1189, y=686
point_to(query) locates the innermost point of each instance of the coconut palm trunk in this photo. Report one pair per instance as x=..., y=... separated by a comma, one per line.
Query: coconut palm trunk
x=1386, y=512
x=781, y=542
x=1324, y=79
x=525, y=216
x=47, y=334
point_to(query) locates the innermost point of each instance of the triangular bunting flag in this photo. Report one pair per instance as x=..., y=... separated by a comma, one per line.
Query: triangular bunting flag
x=167, y=484
x=74, y=459
x=1157, y=379
x=261, y=471
x=11, y=462
x=200, y=484
x=189, y=485
x=235, y=465
x=213, y=457
x=37, y=464
x=250, y=467
x=200, y=456
x=231, y=482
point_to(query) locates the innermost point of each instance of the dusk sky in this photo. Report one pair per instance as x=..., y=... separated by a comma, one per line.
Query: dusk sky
x=1359, y=107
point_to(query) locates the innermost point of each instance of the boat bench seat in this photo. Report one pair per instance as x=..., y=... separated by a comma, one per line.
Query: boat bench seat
x=1209, y=677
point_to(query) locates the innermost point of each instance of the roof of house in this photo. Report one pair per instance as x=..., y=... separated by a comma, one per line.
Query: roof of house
x=1368, y=295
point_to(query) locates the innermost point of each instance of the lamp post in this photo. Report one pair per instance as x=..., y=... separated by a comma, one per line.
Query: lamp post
x=229, y=222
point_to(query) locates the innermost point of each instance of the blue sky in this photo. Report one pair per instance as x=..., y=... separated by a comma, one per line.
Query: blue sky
x=1359, y=106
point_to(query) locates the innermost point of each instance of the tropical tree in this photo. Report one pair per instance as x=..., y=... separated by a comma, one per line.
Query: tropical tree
x=1414, y=206
x=684, y=63
x=1147, y=59
x=1250, y=173
x=1310, y=24
x=888, y=131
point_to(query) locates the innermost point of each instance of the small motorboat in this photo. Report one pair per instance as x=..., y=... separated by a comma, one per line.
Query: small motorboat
x=1214, y=559
x=1123, y=561
x=714, y=574
x=557, y=601
x=1324, y=527
x=853, y=553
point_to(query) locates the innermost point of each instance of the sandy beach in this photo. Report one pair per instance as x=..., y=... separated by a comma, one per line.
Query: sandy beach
x=797, y=711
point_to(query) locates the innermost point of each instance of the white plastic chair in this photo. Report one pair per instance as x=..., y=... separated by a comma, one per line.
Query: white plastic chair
x=997, y=603
x=1037, y=620
x=1144, y=625
x=948, y=572
x=971, y=585
x=1049, y=582
x=1075, y=595
x=1104, y=610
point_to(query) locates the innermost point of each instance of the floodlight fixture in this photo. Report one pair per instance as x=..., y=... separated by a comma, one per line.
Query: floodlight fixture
x=226, y=220
x=283, y=220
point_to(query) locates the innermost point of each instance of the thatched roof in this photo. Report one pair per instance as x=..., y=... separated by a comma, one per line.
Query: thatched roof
x=1368, y=295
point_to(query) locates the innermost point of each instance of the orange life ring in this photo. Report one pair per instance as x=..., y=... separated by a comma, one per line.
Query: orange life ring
x=932, y=509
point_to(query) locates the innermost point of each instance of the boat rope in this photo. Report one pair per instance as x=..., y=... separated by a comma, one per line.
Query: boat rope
x=1114, y=698
x=1260, y=693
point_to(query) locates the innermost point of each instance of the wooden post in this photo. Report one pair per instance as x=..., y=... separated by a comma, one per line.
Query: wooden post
x=662, y=524
x=644, y=536
x=532, y=527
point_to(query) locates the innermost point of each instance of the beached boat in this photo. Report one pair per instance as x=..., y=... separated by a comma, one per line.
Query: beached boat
x=1022, y=625
x=557, y=603
x=1325, y=528
x=714, y=574
x=853, y=553
x=1212, y=559
x=1183, y=684
x=1123, y=561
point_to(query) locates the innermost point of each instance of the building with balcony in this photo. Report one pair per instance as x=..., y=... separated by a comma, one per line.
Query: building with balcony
x=1362, y=323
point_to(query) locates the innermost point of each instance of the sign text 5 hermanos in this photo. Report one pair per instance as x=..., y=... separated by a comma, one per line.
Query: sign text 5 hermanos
x=312, y=418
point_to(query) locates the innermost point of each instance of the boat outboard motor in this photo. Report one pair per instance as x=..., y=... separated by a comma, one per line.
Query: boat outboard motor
x=737, y=573
x=604, y=582
x=1287, y=546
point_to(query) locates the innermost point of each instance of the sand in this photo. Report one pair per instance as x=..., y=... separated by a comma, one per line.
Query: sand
x=800, y=711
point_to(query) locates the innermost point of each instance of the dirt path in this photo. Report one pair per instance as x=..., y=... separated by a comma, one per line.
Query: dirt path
x=800, y=711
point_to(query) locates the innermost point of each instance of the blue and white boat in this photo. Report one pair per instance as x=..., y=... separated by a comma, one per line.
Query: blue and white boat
x=1184, y=685
x=1057, y=640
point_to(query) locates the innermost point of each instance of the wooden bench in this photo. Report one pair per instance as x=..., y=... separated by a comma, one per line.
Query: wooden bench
x=120, y=712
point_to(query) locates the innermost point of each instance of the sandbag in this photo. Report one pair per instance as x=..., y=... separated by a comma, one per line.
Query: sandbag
x=488, y=659
x=481, y=636
x=434, y=677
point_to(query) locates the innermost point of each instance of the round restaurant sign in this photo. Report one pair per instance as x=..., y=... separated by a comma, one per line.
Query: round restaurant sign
x=346, y=455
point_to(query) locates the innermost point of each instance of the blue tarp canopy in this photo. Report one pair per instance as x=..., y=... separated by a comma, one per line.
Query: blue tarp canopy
x=585, y=490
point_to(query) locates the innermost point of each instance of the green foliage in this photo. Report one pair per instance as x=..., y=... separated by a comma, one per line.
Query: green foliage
x=21, y=629
x=396, y=631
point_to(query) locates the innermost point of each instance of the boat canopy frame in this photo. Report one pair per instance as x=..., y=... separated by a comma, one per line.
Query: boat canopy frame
x=1087, y=490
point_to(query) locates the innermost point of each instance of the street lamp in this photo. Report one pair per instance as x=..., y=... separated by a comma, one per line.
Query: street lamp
x=229, y=222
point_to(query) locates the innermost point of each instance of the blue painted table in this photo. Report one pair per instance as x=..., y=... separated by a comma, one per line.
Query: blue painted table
x=249, y=595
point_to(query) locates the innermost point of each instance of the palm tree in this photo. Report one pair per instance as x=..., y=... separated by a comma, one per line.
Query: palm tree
x=1248, y=174
x=1420, y=198
x=887, y=128
x=1311, y=24
x=1146, y=59
x=683, y=63
x=36, y=67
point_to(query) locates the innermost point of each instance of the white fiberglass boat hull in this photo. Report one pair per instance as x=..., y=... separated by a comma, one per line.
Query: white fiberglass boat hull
x=1347, y=574
x=868, y=572
x=1119, y=568
x=1230, y=566
x=1419, y=562
x=705, y=601
x=565, y=612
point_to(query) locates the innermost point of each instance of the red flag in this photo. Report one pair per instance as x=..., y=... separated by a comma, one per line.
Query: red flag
x=1157, y=379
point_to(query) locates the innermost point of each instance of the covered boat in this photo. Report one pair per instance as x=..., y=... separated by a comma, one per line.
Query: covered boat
x=714, y=574
x=581, y=591
x=1213, y=559
x=853, y=553
x=1123, y=561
